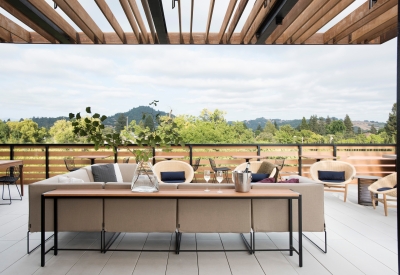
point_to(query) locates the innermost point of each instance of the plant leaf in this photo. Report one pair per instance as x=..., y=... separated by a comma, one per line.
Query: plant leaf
x=88, y=110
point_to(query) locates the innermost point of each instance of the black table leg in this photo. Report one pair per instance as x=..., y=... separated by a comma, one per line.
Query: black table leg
x=42, y=241
x=290, y=227
x=300, y=219
x=55, y=226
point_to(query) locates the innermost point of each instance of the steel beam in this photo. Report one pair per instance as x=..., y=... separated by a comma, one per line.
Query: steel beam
x=273, y=19
x=157, y=12
x=41, y=20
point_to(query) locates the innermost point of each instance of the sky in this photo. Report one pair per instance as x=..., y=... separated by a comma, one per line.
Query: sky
x=247, y=82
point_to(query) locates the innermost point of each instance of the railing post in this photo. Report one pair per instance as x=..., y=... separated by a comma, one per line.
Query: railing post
x=11, y=152
x=334, y=151
x=258, y=150
x=300, y=152
x=47, y=161
x=154, y=154
x=190, y=155
x=115, y=154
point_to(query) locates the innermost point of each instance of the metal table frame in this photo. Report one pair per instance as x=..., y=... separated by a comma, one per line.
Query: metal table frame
x=251, y=247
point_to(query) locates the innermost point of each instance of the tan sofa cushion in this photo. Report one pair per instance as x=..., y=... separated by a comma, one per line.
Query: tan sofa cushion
x=214, y=215
x=140, y=215
x=73, y=215
x=272, y=215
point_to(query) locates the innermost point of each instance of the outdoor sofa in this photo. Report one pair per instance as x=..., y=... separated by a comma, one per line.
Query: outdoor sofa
x=171, y=215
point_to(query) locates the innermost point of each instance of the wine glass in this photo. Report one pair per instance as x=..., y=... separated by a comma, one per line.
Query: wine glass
x=207, y=178
x=219, y=179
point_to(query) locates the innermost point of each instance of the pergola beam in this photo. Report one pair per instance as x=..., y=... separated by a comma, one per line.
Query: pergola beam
x=5, y=35
x=324, y=20
x=180, y=22
x=76, y=19
x=210, y=14
x=261, y=18
x=294, y=13
x=52, y=15
x=375, y=26
x=31, y=12
x=307, y=17
x=238, y=14
x=108, y=14
x=250, y=19
x=131, y=19
x=21, y=17
x=12, y=28
x=77, y=8
x=356, y=19
x=139, y=20
x=147, y=12
x=389, y=35
x=157, y=12
x=227, y=17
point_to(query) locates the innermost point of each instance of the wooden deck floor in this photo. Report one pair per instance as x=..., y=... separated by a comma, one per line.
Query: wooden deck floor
x=361, y=240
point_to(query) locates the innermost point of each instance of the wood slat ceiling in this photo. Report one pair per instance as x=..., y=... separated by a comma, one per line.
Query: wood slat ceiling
x=269, y=22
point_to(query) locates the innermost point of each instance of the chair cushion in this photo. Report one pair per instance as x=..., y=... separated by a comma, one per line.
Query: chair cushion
x=289, y=181
x=384, y=189
x=255, y=177
x=104, y=173
x=8, y=179
x=268, y=180
x=333, y=181
x=266, y=168
x=331, y=176
x=173, y=176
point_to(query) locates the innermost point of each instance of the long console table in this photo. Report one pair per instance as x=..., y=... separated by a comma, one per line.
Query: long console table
x=175, y=194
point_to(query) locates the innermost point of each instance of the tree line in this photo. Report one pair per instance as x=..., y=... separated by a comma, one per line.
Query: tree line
x=212, y=128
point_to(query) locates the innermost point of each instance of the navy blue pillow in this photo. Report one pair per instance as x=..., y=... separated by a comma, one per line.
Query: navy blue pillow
x=384, y=189
x=331, y=176
x=255, y=177
x=173, y=177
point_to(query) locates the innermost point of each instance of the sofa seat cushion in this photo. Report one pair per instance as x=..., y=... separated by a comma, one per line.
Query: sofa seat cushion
x=104, y=173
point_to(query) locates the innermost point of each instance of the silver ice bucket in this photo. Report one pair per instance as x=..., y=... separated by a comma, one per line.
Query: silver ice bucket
x=242, y=181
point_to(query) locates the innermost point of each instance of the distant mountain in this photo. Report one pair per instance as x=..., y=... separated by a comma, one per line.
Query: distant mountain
x=253, y=124
x=133, y=114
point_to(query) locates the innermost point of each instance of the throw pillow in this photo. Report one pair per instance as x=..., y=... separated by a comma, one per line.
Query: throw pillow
x=76, y=180
x=63, y=179
x=255, y=177
x=118, y=173
x=289, y=181
x=266, y=168
x=173, y=176
x=104, y=173
x=331, y=176
x=268, y=180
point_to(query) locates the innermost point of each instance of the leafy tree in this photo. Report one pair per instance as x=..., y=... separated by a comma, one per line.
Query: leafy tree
x=391, y=125
x=335, y=127
x=349, y=125
x=26, y=131
x=304, y=125
x=62, y=132
x=148, y=122
x=276, y=125
x=321, y=126
x=216, y=116
x=328, y=120
x=258, y=130
x=120, y=123
x=4, y=132
x=270, y=128
x=285, y=134
x=373, y=129
x=359, y=131
x=313, y=124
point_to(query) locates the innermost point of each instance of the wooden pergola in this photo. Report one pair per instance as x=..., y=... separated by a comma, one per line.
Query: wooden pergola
x=269, y=22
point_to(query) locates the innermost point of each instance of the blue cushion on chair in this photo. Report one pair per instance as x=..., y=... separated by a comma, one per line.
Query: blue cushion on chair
x=384, y=189
x=331, y=176
x=255, y=177
x=173, y=177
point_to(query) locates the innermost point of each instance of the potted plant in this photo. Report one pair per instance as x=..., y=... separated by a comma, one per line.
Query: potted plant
x=164, y=134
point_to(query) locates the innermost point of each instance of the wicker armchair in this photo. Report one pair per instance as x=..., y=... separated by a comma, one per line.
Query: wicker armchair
x=70, y=164
x=386, y=186
x=330, y=165
x=173, y=166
